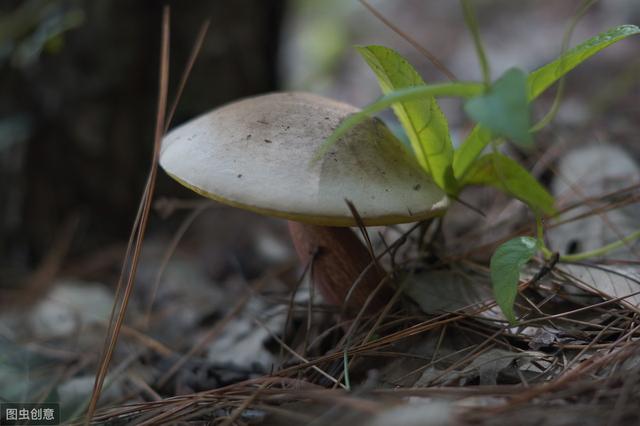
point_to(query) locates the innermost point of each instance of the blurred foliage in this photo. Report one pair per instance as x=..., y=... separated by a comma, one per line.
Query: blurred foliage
x=317, y=41
x=36, y=26
x=14, y=130
x=79, y=87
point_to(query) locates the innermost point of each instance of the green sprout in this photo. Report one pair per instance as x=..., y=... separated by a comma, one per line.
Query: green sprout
x=501, y=110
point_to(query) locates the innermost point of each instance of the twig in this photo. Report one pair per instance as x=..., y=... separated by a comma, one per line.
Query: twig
x=430, y=56
x=143, y=216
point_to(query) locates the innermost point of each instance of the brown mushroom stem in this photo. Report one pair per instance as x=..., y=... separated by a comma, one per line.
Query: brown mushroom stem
x=339, y=258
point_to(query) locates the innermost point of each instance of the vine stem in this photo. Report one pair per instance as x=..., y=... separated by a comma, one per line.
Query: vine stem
x=548, y=254
x=472, y=24
x=600, y=251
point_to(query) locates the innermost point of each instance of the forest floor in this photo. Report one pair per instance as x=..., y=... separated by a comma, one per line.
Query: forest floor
x=224, y=327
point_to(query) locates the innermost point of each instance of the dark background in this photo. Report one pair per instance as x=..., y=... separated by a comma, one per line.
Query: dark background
x=78, y=108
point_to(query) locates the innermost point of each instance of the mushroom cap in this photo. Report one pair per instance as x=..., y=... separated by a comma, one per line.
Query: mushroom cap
x=257, y=154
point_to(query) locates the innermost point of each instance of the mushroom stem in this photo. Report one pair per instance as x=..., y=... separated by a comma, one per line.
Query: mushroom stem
x=339, y=258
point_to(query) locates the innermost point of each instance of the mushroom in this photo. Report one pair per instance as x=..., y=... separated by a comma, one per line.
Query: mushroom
x=256, y=154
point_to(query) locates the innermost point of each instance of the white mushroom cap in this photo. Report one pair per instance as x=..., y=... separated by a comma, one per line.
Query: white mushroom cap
x=256, y=154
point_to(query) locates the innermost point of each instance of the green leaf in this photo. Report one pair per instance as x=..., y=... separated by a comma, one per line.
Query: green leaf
x=506, y=263
x=507, y=175
x=458, y=89
x=423, y=121
x=504, y=109
x=470, y=150
x=537, y=82
x=540, y=79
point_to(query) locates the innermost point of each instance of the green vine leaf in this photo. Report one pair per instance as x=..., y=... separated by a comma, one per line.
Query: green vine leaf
x=507, y=175
x=540, y=79
x=504, y=109
x=537, y=82
x=506, y=263
x=458, y=89
x=423, y=121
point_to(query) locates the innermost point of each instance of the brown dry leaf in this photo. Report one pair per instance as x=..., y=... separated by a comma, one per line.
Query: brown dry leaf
x=584, y=175
x=445, y=291
x=609, y=282
x=486, y=367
